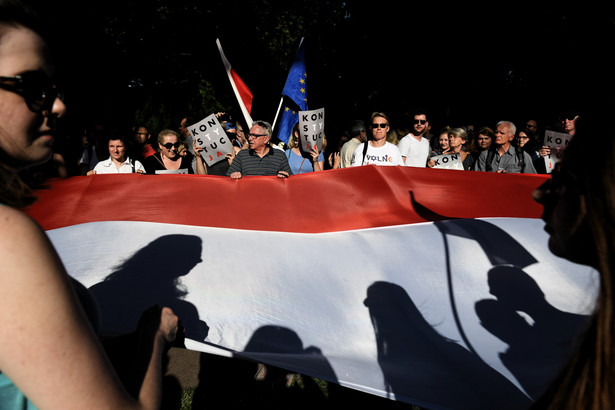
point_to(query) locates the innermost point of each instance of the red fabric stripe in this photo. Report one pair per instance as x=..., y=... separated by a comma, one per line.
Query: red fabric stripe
x=244, y=91
x=328, y=201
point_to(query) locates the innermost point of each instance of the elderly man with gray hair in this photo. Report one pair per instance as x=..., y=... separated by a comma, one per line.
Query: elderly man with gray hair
x=261, y=158
x=502, y=156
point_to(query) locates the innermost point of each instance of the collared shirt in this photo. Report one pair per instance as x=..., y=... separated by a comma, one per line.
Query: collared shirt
x=108, y=167
x=249, y=163
x=508, y=162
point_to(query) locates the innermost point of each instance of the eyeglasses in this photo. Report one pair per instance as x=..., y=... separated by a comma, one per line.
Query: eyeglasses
x=382, y=125
x=36, y=87
x=170, y=145
x=420, y=121
x=256, y=135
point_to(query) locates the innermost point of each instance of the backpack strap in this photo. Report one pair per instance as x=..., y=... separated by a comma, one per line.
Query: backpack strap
x=520, y=157
x=364, y=152
x=489, y=160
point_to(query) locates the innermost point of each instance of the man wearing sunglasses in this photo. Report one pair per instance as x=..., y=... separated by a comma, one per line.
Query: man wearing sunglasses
x=261, y=158
x=377, y=150
x=169, y=160
x=414, y=147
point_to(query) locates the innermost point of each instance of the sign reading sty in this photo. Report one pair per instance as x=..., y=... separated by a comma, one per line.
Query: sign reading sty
x=312, y=129
x=210, y=135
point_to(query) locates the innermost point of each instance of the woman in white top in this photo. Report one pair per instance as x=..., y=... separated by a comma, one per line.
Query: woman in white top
x=49, y=352
x=118, y=162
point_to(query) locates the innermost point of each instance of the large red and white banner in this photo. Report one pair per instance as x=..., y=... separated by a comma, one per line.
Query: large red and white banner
x=433, y=287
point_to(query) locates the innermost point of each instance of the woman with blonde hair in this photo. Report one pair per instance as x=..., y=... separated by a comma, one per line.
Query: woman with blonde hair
x=300, y=158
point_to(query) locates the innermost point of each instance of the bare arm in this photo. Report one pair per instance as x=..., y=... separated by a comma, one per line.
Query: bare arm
x=47, y=347
x=200, y=166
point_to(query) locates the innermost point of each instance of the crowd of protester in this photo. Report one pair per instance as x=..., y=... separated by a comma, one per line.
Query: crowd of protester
x=144, y=150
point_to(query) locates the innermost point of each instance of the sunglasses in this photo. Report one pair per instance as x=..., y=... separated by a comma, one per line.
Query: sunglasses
x=420, y=121
x=256, y=135
x=170, y=145
x=382, y=125
x=36, y=87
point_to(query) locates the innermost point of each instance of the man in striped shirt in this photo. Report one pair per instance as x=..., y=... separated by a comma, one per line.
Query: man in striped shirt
x=261, y=158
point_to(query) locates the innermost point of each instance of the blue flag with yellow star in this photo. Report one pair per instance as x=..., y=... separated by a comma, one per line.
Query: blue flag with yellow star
x=294, y=90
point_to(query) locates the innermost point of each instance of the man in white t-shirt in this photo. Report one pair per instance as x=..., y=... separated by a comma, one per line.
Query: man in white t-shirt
x=414, y=147
x=377, y=150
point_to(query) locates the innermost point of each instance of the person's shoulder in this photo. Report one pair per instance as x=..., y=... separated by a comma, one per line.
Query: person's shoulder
x=16, y=225
x=351, y=144
x=102, y=164
x=243, y=152
x=359, y=147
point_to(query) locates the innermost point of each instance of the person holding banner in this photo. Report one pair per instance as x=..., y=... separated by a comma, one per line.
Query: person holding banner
x=415, y=146
x=297, y=156
x=377, y=150
x=579, y=215
x=50, y=356
x=502, y=156
x=168, y=160
x=118, y=162
x=261, y=158
x=458, y=139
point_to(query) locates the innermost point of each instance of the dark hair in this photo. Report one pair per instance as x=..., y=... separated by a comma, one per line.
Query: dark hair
x=356, y=128
x=588, y=380
x=15, y=13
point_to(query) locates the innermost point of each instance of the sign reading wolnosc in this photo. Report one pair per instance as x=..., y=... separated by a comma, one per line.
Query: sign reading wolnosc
x=210, y=135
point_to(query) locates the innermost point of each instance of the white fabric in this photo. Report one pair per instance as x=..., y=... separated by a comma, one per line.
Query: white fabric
x=390, y=311
x=415, y=151
x=108, y=167
x=387, y=155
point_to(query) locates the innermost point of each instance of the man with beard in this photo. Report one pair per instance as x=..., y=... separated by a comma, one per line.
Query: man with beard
x=414, y=147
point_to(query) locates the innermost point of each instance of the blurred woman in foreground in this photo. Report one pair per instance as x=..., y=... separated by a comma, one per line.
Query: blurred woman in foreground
x=49, y=353
x=579, y=212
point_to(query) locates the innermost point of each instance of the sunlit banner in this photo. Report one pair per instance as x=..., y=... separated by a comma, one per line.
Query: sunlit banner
x=432, y=287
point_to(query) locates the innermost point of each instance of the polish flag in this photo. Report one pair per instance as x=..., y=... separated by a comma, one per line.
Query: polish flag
x=241, y=90
x=431, y=287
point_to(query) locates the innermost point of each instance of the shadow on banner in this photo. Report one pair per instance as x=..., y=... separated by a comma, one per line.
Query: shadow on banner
x=423, y=367
x=151, y=277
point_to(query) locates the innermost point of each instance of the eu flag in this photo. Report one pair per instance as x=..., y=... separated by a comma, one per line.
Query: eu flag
x=294, y=95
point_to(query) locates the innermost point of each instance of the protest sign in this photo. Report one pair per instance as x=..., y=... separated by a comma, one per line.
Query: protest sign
x=448, y=161
x=557, y=142
x=311, y=129
x=210, y=135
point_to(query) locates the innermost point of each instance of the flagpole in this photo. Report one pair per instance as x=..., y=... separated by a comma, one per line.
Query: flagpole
x=227, y=67
x=275, y=120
